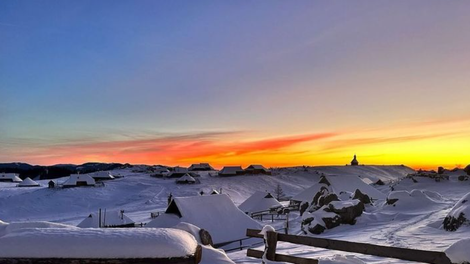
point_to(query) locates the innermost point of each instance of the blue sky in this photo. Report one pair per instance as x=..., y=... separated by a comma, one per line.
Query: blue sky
x=94, y=71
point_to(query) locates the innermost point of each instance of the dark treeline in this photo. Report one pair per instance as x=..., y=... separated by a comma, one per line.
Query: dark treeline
x=56, y=171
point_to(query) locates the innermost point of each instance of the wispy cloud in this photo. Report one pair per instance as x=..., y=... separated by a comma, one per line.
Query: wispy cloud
x=169, y=149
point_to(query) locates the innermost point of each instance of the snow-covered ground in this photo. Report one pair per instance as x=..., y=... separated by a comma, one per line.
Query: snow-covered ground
x=413, y=224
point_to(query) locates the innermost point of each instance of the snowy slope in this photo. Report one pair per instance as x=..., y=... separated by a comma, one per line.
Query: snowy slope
x=139, y=195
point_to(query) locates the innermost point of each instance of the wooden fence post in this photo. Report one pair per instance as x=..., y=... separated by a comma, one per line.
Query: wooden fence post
x=271, y=244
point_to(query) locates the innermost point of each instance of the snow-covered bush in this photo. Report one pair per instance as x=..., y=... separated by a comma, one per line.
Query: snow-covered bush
x=459, y=215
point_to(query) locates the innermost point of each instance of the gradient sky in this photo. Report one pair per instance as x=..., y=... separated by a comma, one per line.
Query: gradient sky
x=235, y=82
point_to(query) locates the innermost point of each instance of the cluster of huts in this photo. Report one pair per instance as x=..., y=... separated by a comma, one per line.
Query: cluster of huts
x=13, y=177
x=74, y=180
x=190, y=175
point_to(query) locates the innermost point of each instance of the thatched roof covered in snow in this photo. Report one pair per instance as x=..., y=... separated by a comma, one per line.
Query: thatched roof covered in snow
x=215, y=213
x=28, y=183
x=259, y=201
x=9, y=177
x=79, y=180
x=231, y=171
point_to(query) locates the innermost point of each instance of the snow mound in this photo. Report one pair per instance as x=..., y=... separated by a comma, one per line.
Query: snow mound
x=97, y=243
x=212, y=255
x=372, y=173
x=12, y=227
x=414, y=200
x=458, y=252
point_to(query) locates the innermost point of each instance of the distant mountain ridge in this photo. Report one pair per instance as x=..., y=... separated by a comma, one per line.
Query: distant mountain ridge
x=56, y=171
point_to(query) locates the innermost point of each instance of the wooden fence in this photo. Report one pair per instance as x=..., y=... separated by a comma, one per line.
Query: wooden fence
x=424, y=256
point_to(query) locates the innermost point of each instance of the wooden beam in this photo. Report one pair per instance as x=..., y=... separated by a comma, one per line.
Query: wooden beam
x=254, y=233
x=432, y=257
x=279, y=257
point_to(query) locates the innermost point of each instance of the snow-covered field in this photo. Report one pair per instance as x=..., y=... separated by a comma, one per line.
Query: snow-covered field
x=414, y=222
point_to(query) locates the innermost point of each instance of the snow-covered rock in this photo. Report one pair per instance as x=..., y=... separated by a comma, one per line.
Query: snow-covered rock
x=459, y=214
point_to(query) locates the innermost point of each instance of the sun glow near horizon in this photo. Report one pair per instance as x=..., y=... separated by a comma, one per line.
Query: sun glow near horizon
x=424, y=145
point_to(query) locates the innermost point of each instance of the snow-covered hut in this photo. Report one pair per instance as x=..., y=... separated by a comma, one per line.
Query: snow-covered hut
x=178, y=172
x=101, y=175
x=9, y=177
x=257, y=169
x=77, y=180
x=160, y=171
x=108, y=219
x=28, y=183
x=201, y=167
x=186, y=179
x=231, y=171
x=214, y=213
x=259, y=201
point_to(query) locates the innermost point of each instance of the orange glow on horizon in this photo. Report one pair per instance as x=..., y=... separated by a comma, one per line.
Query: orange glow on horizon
x=424, y=145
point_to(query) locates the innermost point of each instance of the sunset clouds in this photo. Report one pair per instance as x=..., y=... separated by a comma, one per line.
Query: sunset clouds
x=413, y=143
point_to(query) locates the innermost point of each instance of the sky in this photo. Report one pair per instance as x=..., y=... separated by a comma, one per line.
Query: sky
x=281, y=83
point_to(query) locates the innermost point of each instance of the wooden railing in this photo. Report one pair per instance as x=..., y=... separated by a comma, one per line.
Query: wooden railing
x=424, y=256
x=242, y=246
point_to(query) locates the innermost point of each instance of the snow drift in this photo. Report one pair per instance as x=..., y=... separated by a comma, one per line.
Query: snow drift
x=415, y=200
x=458, y=252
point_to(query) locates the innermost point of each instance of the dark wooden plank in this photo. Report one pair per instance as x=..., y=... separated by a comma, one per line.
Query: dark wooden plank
x=253, y=233
x=280, y=257
x=188, y=260
x=362, y=248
